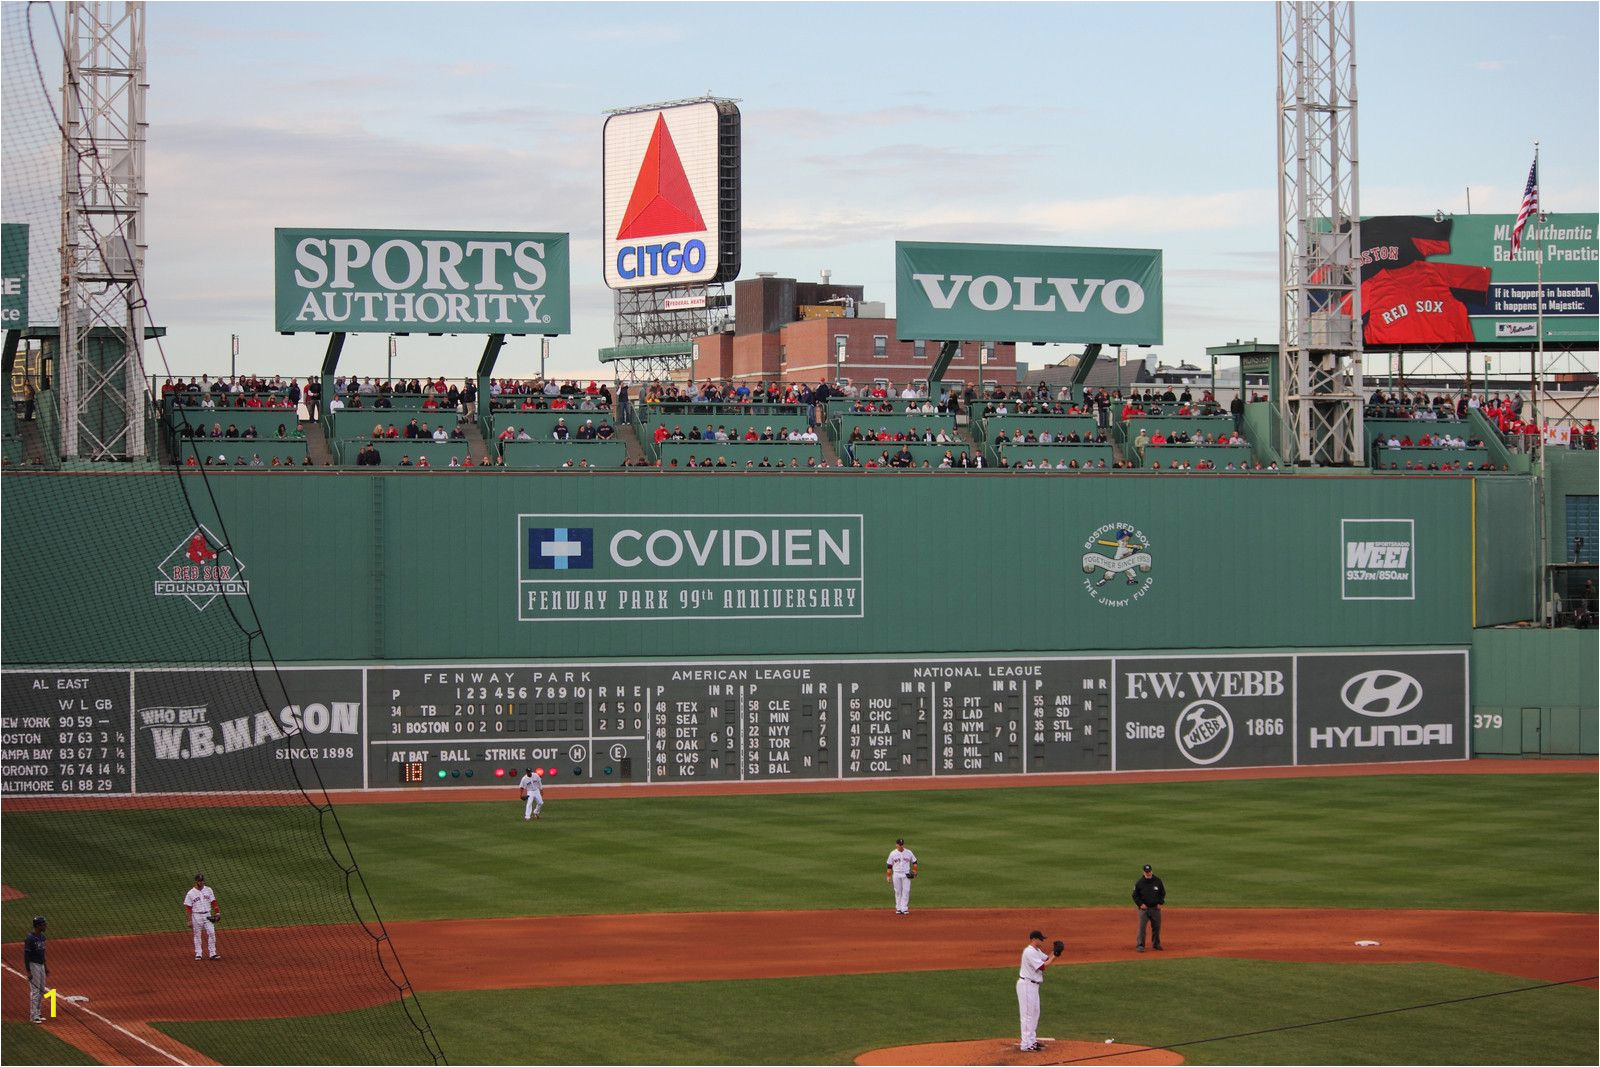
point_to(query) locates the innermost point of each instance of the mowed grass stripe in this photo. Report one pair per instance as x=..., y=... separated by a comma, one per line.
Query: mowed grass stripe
x=1195, y=1003
x=1492, y=842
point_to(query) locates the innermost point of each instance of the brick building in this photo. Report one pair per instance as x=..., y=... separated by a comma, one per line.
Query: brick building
x=791, y=331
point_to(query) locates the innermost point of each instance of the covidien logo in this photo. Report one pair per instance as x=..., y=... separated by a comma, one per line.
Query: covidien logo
x=560, y=548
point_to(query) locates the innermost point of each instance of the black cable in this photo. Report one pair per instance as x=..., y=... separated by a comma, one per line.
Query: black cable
x=407, y=994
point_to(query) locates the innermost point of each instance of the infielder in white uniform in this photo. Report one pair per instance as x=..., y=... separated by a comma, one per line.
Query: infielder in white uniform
x=1031, y=975
x=902, y=867
x=530, y=791
x=201, y=904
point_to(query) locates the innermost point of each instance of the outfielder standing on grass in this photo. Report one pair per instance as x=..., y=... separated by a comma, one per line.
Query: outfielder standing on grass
x=1029, y=978
x=533, y=798
x=33, y=963
x=204, y=911
x=901, y=868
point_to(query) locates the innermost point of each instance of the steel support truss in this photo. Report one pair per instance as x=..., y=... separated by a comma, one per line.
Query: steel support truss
x=1319, y=219
x=104, y=130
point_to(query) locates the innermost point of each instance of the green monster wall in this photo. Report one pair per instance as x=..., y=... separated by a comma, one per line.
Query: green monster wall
x=437, y=567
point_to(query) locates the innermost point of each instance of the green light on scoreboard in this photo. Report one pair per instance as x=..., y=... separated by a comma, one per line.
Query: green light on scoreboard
x=444, y=774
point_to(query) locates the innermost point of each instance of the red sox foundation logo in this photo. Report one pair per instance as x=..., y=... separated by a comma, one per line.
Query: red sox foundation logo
x=200, y=569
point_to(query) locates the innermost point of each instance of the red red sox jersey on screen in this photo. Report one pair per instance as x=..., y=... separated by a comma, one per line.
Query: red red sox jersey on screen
x=1414, y=304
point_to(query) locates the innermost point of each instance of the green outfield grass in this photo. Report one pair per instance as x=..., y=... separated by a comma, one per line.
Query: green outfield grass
x=26, y=1043
x=1194, y=1003
x=1497, y=842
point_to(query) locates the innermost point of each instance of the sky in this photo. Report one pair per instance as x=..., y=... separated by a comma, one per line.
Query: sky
x=1146, y=125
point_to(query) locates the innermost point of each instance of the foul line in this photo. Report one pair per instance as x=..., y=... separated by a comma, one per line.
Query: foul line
x=1344, y=1019
x=108, y=1022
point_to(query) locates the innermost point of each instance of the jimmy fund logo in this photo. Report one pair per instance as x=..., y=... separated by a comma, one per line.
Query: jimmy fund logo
x=1116, y=562
x=1379, y=559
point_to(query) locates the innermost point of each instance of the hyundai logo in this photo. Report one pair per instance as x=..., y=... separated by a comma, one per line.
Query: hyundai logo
x=1381, y=694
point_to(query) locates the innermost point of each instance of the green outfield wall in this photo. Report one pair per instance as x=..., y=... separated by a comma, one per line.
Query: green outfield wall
x=357, y=567
x=1534, y=692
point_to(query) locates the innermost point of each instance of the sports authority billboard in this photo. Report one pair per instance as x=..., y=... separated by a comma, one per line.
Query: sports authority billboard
x=13, y=276
x=1454, y=280
x=671, y=196
x=421, y=281
x=1027, y=293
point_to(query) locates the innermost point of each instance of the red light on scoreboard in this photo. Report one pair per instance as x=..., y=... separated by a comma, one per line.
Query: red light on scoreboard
x=499, y=772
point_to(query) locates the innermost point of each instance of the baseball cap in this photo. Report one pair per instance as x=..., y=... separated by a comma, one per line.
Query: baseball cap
x=38, y=920
x=1147, y=868
x=1037, y=935
x=199, y=877
x=899, y=840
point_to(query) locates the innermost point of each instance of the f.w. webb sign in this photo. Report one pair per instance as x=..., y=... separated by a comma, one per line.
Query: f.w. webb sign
x=422, y=281
x=952, y=292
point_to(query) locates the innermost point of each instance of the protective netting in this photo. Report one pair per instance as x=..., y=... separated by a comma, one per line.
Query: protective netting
x=149, y=736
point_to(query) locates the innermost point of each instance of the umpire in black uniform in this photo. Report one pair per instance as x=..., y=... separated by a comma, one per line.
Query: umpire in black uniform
x=1149, y=894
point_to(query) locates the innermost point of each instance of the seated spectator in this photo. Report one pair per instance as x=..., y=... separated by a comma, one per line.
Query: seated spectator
x=524, y=435
x=604, y=432
x=422, y=461
x=405, y=460
x=586, y=432
x=440, y=436
x=412, y=430
x=377, y=431
x=457, y=433
x=232, y=431
x=561, y=433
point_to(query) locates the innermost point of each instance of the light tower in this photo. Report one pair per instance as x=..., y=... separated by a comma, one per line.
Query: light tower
x=101, y=369
x=1319, y=264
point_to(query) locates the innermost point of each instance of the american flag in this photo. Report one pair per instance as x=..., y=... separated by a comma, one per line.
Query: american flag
x=1530, y=205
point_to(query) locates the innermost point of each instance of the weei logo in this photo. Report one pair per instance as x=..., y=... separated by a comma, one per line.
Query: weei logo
x=1382, y=694
x=1378, y=559
x=200, y=569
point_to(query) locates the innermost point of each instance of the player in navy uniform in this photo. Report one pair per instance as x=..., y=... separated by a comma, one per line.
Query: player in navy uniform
x=33, y=963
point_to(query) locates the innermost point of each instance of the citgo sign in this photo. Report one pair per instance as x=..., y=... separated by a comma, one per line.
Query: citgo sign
x=661, y=224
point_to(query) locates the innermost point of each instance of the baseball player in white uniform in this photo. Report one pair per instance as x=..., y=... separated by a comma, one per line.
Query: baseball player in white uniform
x=1029, y=977
x=530, y=791
x=902, y=867
x=201, y=904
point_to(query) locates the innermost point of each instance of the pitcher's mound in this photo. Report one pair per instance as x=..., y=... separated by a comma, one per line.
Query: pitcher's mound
x=1004, y=1051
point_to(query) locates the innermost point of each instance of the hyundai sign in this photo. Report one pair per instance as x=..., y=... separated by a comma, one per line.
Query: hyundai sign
x=421, y=281
x=662, y=224
x=1040, y=293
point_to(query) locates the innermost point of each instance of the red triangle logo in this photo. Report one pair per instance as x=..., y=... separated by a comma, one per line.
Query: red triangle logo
x=662, y=201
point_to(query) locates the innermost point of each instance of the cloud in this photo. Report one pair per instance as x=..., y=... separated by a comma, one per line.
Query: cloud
x=1493, y=64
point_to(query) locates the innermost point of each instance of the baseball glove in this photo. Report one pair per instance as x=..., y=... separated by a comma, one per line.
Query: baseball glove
x=213, y=918
x=1058, y=948
x=911, y=874
x=523, y=795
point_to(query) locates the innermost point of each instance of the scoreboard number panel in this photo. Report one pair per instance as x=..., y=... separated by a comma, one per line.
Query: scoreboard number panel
x=74, y=731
